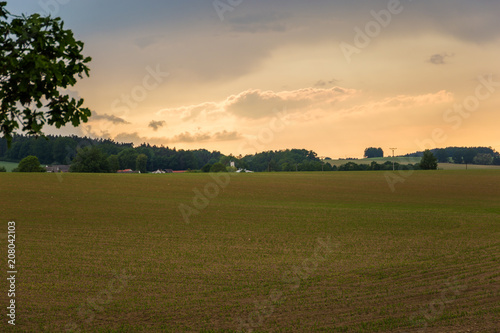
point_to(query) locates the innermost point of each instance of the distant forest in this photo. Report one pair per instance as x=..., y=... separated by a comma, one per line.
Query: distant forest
x=59, y=150
x=464, y=155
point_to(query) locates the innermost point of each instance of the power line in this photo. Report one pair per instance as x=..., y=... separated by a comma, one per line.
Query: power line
x=393, y=149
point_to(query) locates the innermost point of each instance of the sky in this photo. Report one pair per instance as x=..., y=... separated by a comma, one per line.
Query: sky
x=244, y=76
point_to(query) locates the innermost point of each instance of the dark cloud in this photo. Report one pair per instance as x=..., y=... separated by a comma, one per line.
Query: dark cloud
x=439, y=58
x=155, y=125
x=258, y=22
x=323, y=83
x=114, y=119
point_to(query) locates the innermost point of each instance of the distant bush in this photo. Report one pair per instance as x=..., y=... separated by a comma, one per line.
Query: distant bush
x=373, y=152
x=2, y=169
x=218, y=167
x=374, y=166
x=30, y=164
x=428, y=161
x=206, y=168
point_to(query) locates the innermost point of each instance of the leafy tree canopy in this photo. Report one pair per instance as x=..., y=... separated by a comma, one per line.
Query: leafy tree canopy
x=428, y=161
x=218, y=167
x=141, y=163
x=30, y=164
x=374, y=152
x=38, y=59
x=90, y=159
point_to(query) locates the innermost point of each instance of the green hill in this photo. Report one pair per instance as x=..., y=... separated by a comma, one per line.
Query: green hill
x=8, y=165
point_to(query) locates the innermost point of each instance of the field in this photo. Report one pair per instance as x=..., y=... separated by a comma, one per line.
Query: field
x=271, y=252
x=9, y=166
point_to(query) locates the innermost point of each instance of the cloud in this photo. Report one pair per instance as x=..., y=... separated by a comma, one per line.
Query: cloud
x=439, y=58
x=114, y=119
x=257, y=104
x=254, y=103
x=227, y=136
x=322, y=83
x=399, y=103
x=192, y=112
x=185, y=137
x=258, y=23
x=188, y=137
x=130, y=138
x=155, y=125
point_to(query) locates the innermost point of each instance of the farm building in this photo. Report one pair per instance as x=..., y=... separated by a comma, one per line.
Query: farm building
x=57, y=168
x=128, y=171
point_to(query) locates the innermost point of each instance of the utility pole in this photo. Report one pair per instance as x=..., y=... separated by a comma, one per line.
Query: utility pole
x=393, y=149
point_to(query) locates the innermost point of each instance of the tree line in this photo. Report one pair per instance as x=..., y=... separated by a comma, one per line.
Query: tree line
x=103, y=155
x=464, y=155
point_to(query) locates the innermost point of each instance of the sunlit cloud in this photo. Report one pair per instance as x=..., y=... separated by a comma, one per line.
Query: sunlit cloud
x=185, y=137
x=256, y=104
x=111, y=118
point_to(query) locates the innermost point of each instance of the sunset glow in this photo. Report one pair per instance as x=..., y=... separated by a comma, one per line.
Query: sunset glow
x=331, y=76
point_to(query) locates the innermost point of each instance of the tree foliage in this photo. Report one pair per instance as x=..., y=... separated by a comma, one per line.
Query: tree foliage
x=469, y=156
x=90, y=159
x=128, y=158
x=38, y=59
x=483, y=159
x=30, y=164
x=206, y=167
x=218, y=167
x=282, y=160
x=459, y=155
x=62, y=150
x=114, y=163
x=141, y=163
x=373, y=152
x=428, y=161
